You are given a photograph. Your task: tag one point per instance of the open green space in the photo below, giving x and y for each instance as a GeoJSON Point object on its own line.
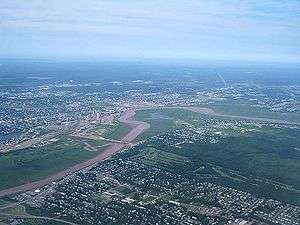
{"type": "Point", "coordinates": [5, 220]}
{"type": "Point", "coordinates": [116, 131]}
{"type": "Point", "coordinates": [31, 164]}
{"type": "Point", "coordinates": [241, 109]}
{"type": "Point", "coordinates": [90, 141]}
{"type": "Point", "coordinates": [263, 162]}
{"type": "Point", "coordinates": [155, 157]}
{"type": "Point", "coordinates": [123, 190]}
{"type": "Point", "coordinates": [15, 210]}
{"type": "Point", "coordinates": [237, 178]}
{"type": "Point", "coordinates": [259, 154]}
{"type": "Point", "coordinates": [267, 152]}
{"type": "Point", "coordinates": [24, 210]}
{"type": "Point", "coordinates": [163, 120]}
{"type": "Point", "coordinates": [4, 202]}
{"type": "Point", "coordinates": [41, 222]}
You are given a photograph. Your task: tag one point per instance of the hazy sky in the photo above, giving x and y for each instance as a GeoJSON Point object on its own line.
{"type": "Point", "coordinates": [196, 29]}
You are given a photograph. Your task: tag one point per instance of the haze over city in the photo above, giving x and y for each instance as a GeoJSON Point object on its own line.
{"type": "Point", "coordinates": [178, 29]}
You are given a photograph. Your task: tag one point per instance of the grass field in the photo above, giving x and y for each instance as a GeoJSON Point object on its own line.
{"type": "Point", "coordinates": [268, 156]}
{"type": "Point", "coordinates": [116, 131]}
{"type": "Point", "coordinates": [22, 210]}
{"type": "Point", "coordinates": [41, 222]}
{"type": "Point", "coordinates": [254, 179]}
{"type": "Point", "coordinates": [4, 202]}
{"type": "Point", "coordinates": [155, 157]}
{"type": "Point", "coordinates": [240, 109]}
{"type": "Point", "coordinates": [260, 163]}
{"type": "Point", "coordinates": [266, 160]}
{"type": "Point", "coordinates": [268, 152]}
{"type": "Point", "coordinates": [15, 210]}
{"type": "Point", "coordinates": [35, 163]}
{"type": "Point", "coordinates": [90, 141]}
{"type": "Point", "coordinates": [165, 120]}
{"type": "Point", "coordinates": [31, 164]}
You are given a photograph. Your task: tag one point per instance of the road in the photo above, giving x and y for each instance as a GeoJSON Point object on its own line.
{"type": "Point", "coordinates": [138, 127]}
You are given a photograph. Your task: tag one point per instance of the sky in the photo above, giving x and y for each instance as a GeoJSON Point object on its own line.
{"type": "Point", "coordinates": [259, 30]}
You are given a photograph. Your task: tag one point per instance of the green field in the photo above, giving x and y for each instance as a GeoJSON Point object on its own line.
{"type": "Point", "coordinates": [168, 119]}
{"type": "Point", "coordinates": [116, 131]}
{"type": "Point", "coordinates": [240, 109]}
{"type": "Point", "coordinates": [260, 154]}
{"type": "Point", "coordinates": [92, 142]}
{"type": "Point", "coordinates": [35, 163]}
{"type": "Point", "coordinates": [155, 157]}
{"type": "Point", "coordinates": [266, 160]}
{"type": "Point", "coordinates": [27, 213]}
{"type": "Point", "coordinates": [267, 152]}
{"type": "Point", "coordinates": [4, 202]}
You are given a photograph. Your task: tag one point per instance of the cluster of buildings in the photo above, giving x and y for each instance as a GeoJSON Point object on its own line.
{"type": "Point", "coordinates": [210, 130]}
{"type": "Point", "coordinates": [34, 110]}
{"type": "Point", "coordinates": [32, 117]}
{"type": "Point", "coordinates": [121, 191]}
{"type": "Point", "coordinates": [126, 191]}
